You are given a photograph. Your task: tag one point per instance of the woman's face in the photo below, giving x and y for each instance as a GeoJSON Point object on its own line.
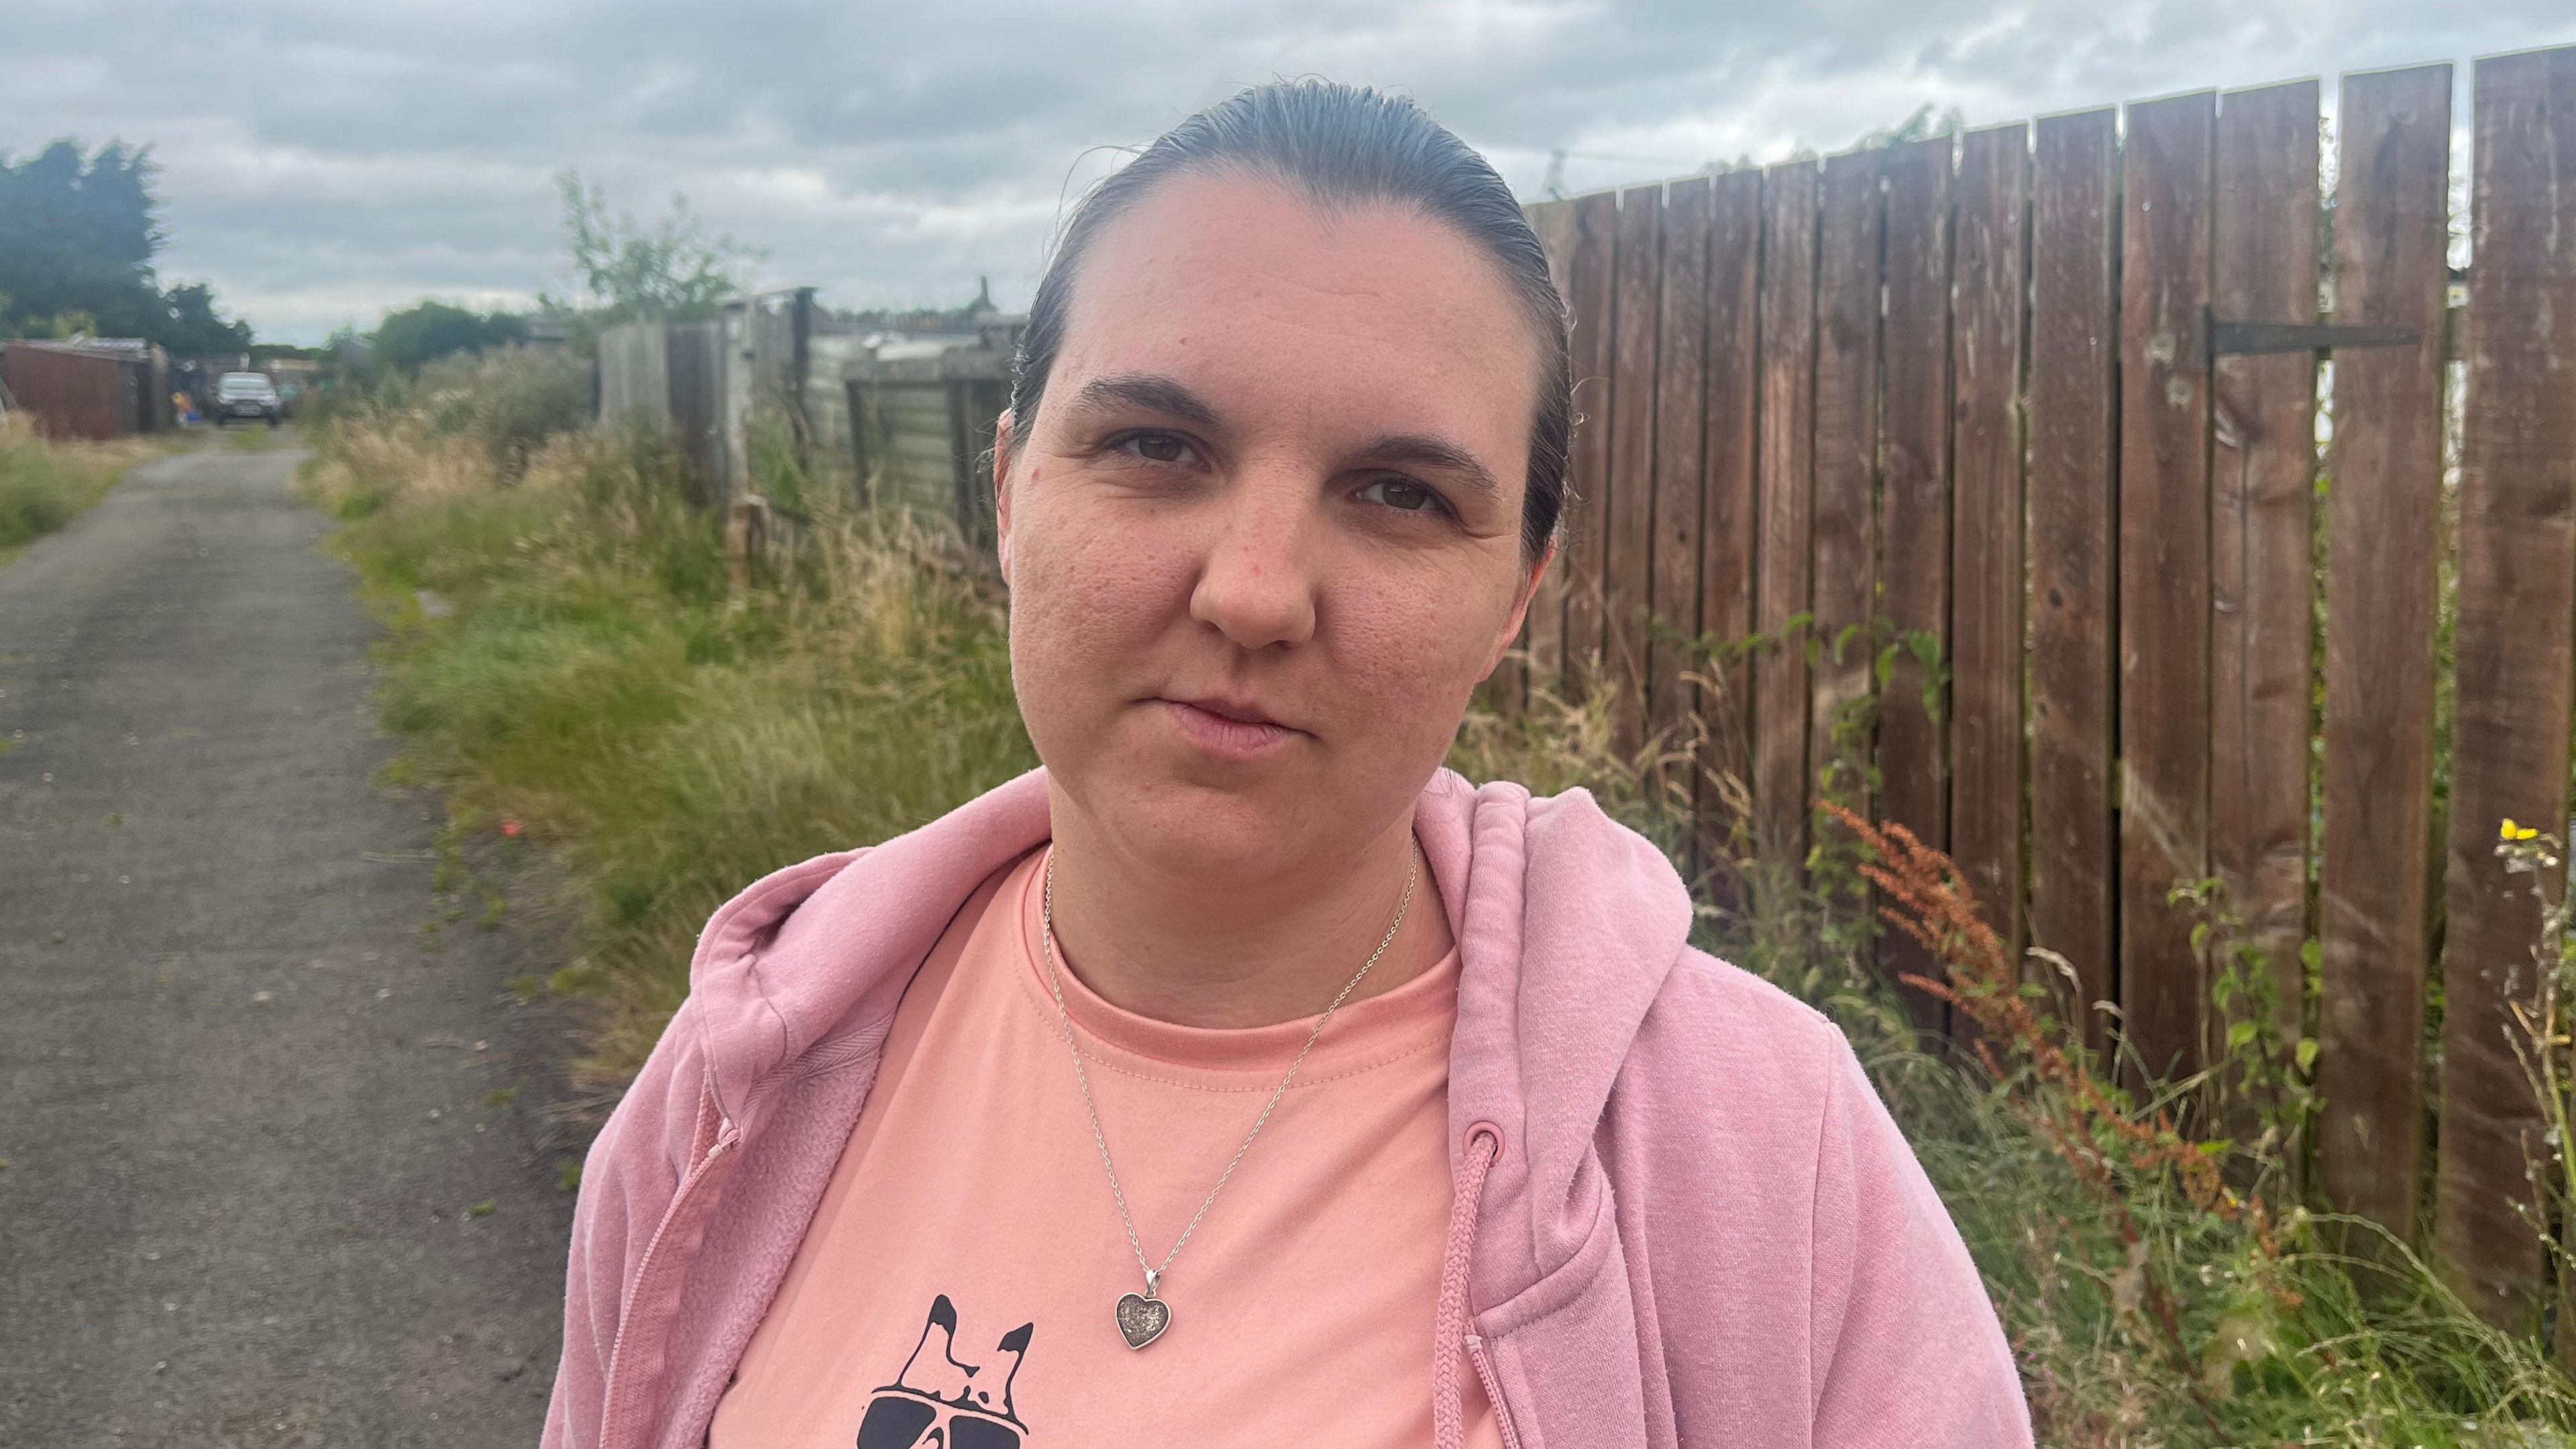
{"type": "Point", "coordinates": [1263, 537]}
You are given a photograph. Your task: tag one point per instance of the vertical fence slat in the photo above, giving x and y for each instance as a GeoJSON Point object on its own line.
{"type": "Point", "coordinates": [1914, 520]}
{"type": "Point", "coordinates": [1728, 521]}
{"type": "Point", "coordinates": [1987, 582]}
{"type": "Point", "coordinates": [2164, 573]}
{"type": "Point", "coordinates": [2074, 513]}
{"type": "Point", "coordinates": [1593, 272]}
{"type": "Point", "coordinates": [2263, 421]}
{"type": "Point", "coordinates": [2392, 202]}
{"type": "Point", "coordinates": [1845, 587]}
{"type": "Point", "coordinates": [2517, 598]}
{"type": "Point", "coordinates": [1627, 585]}
{"type": "Point", "coordinates": [1543, 632]}
{"type": "Point", "coordinates": [1784, 558]}
{"type": "Point", "coordinates": [1682, 353]}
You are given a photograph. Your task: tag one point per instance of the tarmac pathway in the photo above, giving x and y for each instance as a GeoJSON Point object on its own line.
{"type": "Point", "coordinates": [267, 1181]}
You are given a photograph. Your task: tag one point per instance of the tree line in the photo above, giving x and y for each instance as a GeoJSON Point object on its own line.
{"type": "Point", "coordinates": [78, 235]}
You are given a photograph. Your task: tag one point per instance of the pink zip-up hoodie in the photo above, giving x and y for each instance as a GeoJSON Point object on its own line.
{"type": "Point", "coordinates": [1682, 1216]}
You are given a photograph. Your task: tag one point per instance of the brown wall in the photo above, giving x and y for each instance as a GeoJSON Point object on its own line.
{"type": "Point", "coordinates": [74, 394]}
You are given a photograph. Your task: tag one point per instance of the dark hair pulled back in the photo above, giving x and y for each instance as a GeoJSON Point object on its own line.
{"type": "Point", "coordinates": [1337, 145]}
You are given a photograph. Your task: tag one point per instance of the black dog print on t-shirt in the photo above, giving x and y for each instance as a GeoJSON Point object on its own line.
{"type": "Point", "coordinates": [938, 1402]}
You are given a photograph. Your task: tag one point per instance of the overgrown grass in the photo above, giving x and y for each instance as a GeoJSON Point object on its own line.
{"type": "Point", "coordinates": [571, 666]}
{"type": "Point", "coordinates": [565, 656]}
{"type": "Point", "coordinates": [45, 485]}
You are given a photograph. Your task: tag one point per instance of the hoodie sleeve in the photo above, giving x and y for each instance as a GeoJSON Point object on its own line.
{"type": "Point", "coordinates": [627, 1182]}
{"type": "Point", "coordinates": [1907, 1349]}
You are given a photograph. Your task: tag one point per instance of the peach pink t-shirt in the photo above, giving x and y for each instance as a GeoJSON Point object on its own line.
{"type": "Point", "coordinates": [958, 1283]}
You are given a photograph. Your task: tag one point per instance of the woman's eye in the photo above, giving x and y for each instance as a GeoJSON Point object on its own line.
{"type": "Point", "coordinates": [1157, 447]}
{"type": "Point", "coordinates": [1403, 494]}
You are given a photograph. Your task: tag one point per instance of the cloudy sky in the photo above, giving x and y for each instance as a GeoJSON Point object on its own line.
{"type": "Point", "coordinates": [326, 161]}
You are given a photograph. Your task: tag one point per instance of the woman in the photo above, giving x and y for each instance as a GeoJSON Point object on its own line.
{"type": "Point", "coordinates": [1243, 1077]}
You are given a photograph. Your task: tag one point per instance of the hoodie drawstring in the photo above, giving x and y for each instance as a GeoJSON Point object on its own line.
{"type": "Point", "coordinates": [1449, 1322]}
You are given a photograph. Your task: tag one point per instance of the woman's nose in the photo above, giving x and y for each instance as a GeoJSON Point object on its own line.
{"type": "Point", "coordinates": [1253, 587]}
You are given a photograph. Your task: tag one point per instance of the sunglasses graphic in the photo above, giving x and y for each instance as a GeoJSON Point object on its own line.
{"type": "Point", "coordinates": [898, 1420]}
{"type": "Point", "coordinates": [935, 1402]}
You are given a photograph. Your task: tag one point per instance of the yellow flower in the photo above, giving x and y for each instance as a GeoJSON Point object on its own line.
{"type": "Point", "coordinates": [2525, 833]}
{"type": "Point", "coordinates": [2505, 832]}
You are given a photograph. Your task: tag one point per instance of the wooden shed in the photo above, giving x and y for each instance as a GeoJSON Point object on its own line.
{"type": "Point", "coordinates": [88, 389]}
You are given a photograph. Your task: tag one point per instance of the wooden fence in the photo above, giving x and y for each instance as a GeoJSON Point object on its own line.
{"type": "Point", "coordinates": [2044, 399]}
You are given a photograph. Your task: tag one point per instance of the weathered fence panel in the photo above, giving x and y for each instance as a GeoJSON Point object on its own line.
{"type": "Point", "coordinates": [1730, 520]}
{"type": "Point", "coordinates": [1914, 497]}
{"type": "Point", "coordinates": [2164, 573]}
{"type": "Point", "coordinates": [1680, 384]}
{"type": "Point", "coordinates": [1984, 642]}
{"type": "Point", "coordinates": [635, 375]}
{"type": "Point", "coordinates": [696, 355]}
{"type": "Point", "coordinates": [1592, 267]}
{"type": "Point", "coordinates": [2514, 653]}
{"type": "Point", "coordinates": [1784, 556]}
{"type": "Point", "coordinates": [1845, 577]}
{"type": "Point", "coordinates": [670, 377]}
{"type": "Point", "coordinates": [2391, 213]}
{"type": "Point", "coordinates": [1628, 499]}
{"type": "Point", "coordinates": [2263, 426]}
{"type": "Point", "coordinates": [2074, 568]}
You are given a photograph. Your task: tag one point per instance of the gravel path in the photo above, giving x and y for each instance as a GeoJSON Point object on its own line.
{"type": "Point", "coordinates": [267, 1182]}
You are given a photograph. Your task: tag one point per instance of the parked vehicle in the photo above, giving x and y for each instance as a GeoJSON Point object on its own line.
{"type": "Point", "coordinates": [246, 395]}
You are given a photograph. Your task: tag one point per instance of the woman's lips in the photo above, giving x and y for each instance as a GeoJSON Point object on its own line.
{"type": "Point", "coordinates": [1224, 735]}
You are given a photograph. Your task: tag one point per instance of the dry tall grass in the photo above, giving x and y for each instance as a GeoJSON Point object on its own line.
{"type": "Point", "coordinates": [44, 485]}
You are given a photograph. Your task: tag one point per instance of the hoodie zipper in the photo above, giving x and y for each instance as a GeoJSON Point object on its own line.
{"type": "Point", "coordinates": [1493, 1391]}
{"type": "Point", "coordinates": [609, 1419]}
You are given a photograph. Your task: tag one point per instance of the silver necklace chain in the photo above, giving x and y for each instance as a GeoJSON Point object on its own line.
{"type": "Point", "coordinates": [1064, 1017]}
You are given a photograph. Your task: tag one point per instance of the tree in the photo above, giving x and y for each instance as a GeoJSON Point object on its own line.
{"type": "Point", "coordinates": [77, 238]}
{"type": "Point", "coordinates": [430, 330]}
{"type": "Point", "coordinates": [670, 272]}
{"type": "Point", "coordinates": [193, 329]}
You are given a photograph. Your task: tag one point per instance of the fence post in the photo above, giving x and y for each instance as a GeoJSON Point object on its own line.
{"type": "Point", "coordinates": [746, 538]}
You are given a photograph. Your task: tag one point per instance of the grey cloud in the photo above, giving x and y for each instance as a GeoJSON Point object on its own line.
{"type": "Point", "coordinates": [326, 161]}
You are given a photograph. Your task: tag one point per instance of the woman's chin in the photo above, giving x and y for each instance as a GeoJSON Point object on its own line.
{"type": "Point", "coordinates": [1242, 825]}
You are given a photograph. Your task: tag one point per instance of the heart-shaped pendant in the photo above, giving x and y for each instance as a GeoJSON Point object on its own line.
{"type": "Point", "coordinates": [1141, 1320]}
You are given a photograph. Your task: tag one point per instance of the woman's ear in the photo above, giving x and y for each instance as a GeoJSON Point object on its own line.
{"type": "Point", "coordinates": [1002, 494]}
{"type": "Point", "coordinates": [1520, 607]}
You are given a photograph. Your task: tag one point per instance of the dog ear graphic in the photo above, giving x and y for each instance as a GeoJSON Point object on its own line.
{"type": "Point", "coordinates": [1016, 1344]}
{"type": "Point", "coordinates": [942, 1377]}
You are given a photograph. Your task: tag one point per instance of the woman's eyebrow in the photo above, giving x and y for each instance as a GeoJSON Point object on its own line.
{"type": "Point", "coordinates": [1149, 391]}
{"type": "Point", "coordinates": [1422, 450]}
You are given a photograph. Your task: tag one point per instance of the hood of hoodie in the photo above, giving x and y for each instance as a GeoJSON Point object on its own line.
{"type": "Point", "coordinates": [1567, 925]}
